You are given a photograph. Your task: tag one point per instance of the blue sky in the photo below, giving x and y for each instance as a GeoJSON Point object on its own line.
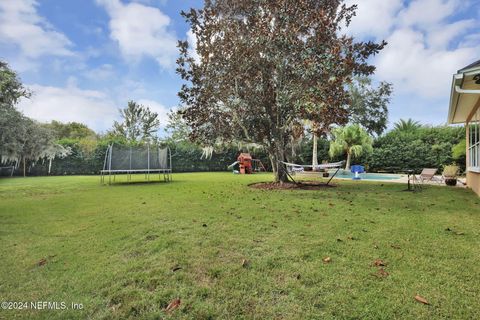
{"type": "Point", "coordinates": [84, 59]}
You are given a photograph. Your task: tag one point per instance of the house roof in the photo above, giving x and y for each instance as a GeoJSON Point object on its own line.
{"type": "Point", "coordinates": [465, 93]}
{"type": "Point", "coordinates": [470, 66]}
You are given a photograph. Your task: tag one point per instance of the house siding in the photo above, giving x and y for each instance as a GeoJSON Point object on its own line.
{"type": "Point", "coordinates": [473, 181]}
{"type": "Point", "coordinates": [473, 178]}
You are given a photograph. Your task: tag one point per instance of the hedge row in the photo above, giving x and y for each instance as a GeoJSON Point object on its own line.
{"type": "Point", "coordinates": [184, 159]}
{"type": "Point", "coordinates": [428, 147]}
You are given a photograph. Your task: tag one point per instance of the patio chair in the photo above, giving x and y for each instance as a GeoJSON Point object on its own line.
{"type": "Point", "coordinates": [427, 175]}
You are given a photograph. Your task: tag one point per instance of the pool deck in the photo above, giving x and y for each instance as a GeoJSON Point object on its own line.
{"type": "Point", "coordinates": [403, 178]}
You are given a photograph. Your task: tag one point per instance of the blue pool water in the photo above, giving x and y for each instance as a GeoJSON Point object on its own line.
{"type": "Point", "coordinates": [366, 176]}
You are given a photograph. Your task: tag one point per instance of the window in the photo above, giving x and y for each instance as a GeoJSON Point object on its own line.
{"type": "Point", "coordinates": [474, 144]}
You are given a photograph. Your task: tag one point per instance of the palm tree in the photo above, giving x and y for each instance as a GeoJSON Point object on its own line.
{"type": "Point", "coordinates": [352, 140]}
{"type": "Point", "coordinates": [314, 128]}
{"type": "Point", "coordinates": [318, 130]}
{"type": "Point", "coordinates": [408, 125]}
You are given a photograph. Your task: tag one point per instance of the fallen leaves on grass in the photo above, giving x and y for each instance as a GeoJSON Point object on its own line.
{"type": "Point", "coordinates": [174, 304]}
{"type": "Point", "coordinates": [379, 263]}
{"type": "Point", "coordinates": [176, 268]}
{"type": "Point", "coordinates": [421, 299]}
{"type": "Point", "coordinates": [42, 262]}
{"type": "Point", "coordinates": [327, 260]}
{"type": "Point", "coordinates": [381, 273]}
{"type": "Point", "coordinates": [458, 233]}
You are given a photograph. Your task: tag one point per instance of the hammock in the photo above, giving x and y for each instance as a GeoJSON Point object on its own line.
{"type": "Point", "coordinates": [299, 167]}
{"type": "Point", "coordinates": [292, 168]}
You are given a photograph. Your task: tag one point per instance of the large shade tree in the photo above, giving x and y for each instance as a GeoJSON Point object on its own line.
{"type": "Point", "coordinates": [266, 65]}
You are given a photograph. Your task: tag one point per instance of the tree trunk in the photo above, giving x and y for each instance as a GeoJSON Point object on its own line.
{"type": "Point", "coordinates": [281, 173]}
{"type": "Point", "coordinates": [24, 168]}
{"type": "Point", "coordinates": [273, 163]}
{"type": "Point", "coordinates": [315, 152]}
{"type": "Point", "coordinates": [349, 159]}
{"type": "Point", "coordinates": [279, 169]}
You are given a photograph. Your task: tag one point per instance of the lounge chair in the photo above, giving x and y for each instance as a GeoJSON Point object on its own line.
{"type": "Point", "coordinates": [428, 174]}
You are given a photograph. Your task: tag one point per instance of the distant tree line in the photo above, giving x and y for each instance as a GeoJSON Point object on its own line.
{"type": "Point", "coordinates": [72, 148]}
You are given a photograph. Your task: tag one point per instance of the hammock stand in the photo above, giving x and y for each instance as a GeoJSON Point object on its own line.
{"type": "Point", "coordinates": [298, 167]}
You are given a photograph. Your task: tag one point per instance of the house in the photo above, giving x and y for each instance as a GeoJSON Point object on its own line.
{"type": "Point", "coordinates": [465, 108]}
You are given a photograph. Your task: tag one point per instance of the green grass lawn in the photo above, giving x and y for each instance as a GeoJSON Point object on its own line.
{"type": "Point", "coordinates": [113, 248]}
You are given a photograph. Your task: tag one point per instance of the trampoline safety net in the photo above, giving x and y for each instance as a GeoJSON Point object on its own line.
{"type": "Point", "coordinates": [130, 160]}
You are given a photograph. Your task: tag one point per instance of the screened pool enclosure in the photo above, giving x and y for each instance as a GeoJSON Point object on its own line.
{"type": "Point", "coordinates": [148, 160]}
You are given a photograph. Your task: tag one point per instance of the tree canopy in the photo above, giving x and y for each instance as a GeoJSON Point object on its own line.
{"type": "Point", "coordinates": [139, 123]}
{"type": "Point", "coordinates": [408, 125]}
{"type": "Point", "coordinates": [369, 105]}
{"type": "Point", "coordinates": [11, 87]}
{"type": "Point", "coordinates": [21, 138]}
{"type": "Point", "coordinates": [70, 130]}
{"type": "Point", "coordinates": [265, 66]}
{"type": "Point", "coordinates": [11, 130]}
{"type": "Point", "coordinates": [352, 140]}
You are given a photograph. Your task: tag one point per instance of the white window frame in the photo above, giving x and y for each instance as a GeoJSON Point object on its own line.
{"type": "Point", "coordinates": [473, 161]}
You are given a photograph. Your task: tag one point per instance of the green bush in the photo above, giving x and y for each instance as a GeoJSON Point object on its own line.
{"type": "Point", "coordinates": [392, 152]}
{"type": "Point", "coordinates": [426, 147]}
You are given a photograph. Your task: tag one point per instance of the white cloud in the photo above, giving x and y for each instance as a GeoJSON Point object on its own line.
{"type": "Point", "coordinates": [470, 40]}
{"type": "Point", "coordinates": [374, 17]}
{"type": "Point", "coordinates": [21, 26]}
{"type": "Point", "coordinates": [95, 108]}
{"type": "Point", "coordinates": [428, 41]}
{"type": "Point", "coordinates": [70, 103]}
{"type": "Point", "coordinates": [192, 43]}
{"type": "Point", "coordinates": [427, 13]}
{"type": "Point", "coordinates": [441, 35]}
{"type": "Point", "coordinates": [425, 44]}
{"type": "Point", "coordinates": [104, 72]}
{"type": "Point", "coordinates": [158, 108]}
{"type": "Point", "coordinates": [141, 31]}
{"type": "Point", "coordinates": [415, 68]}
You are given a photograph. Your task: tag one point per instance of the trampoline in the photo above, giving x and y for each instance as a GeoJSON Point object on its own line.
{"type": "Point", "coordinates": [147, 159]}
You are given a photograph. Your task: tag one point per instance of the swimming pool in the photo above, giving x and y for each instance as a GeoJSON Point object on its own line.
{"type": "Point", "coordinates": [342, 174]}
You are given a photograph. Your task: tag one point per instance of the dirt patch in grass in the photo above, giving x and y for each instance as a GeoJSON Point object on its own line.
{"type": "Point", "coordinates": [304, 185]}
